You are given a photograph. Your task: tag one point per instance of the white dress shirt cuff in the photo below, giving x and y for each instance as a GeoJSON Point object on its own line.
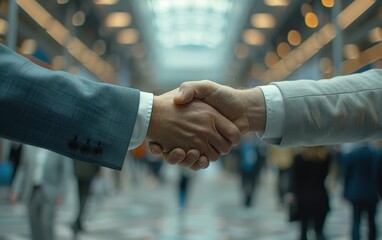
{"type": "Point", "coordinates": [275, 114]}
{"type": "Point", "coordinates": [142, 121]}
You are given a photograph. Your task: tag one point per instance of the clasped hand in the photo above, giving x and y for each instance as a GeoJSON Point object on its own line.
{"type": "Point", "coordinates": [200, 121]}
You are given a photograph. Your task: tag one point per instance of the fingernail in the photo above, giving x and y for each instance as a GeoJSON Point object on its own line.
{"type": "Point", "coordinates": [179, 158]}
{"type": "Point", "coordinates": [179, 94]}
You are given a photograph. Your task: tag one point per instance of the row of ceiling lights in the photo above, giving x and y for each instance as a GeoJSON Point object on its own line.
{"type": "Point", "coordinates": [90, 58]}
{"type": "Point", "coordinates": [283, 61]}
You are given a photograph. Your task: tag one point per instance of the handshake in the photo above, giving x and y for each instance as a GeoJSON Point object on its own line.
{"type": "Point", "coordinates": [201, 120]}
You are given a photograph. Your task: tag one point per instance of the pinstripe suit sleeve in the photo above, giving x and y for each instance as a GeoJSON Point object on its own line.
{"type": "Point", "coordinates": [72, 116]}
{"type": "Point", "coordinates": [342, 109]}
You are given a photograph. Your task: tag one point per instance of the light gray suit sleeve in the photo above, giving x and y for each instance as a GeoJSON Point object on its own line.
{"type": "Point", "coordinates": [342, 109]}
{"type": "Point", "coordinates": [72, 116]}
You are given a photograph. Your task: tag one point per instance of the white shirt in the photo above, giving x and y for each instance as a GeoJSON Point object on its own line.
{"type": "Point", "coordinates": [274, 123]}
{"type": "Point", "coordinates": [41, 157]}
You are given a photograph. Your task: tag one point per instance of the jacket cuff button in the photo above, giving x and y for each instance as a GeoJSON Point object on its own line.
{"type": "Point", "coordinates": [98, 151]}
{"type": "Point", "coordinates": [73, 145]}
{"type": "Point", "coordinates": [85, 149]}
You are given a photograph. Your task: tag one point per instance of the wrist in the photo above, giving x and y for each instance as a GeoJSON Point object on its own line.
{"type": "Point", "coordinates": [154, 119]}
{"type": "Point", "coordinates": [256, 110]}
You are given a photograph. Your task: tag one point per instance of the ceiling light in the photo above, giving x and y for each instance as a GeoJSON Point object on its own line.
{"type": "Point", "coordinates": [294, 38]}
{"type": "Point", "coordinates": [58, 62]}
{"type": "Point", "coordinates": [3, 26]}
{"type": "Point", "coordinates": [263, 20]}
{"type": "Point", "coordinates": [276, 2]}
{"type": "Point", "coordinates": [352, 12]}
{"type": "Point", "coordinates": [375, 35]}
{"type": "Point", "coordinates": [253, 37]}
{"type": "Point", "coordinates": [118, 19]}
{"type": "Point", "coordinates": [99, 47]}
{"type": "Point", "coordinates": [327, 3]}
{"type": "Point", "coordinates": [29, 46]}
{"type": "Point", "coordinates": [271, 59]}
{"type": "Point", "coordinates": [241, 51]}
{"type": "Point", "coordinates": [311, 20]}
{"type": "Point", "coordinates": [105, 2]}
{"type": "Point", "coordinates": [351, 51]}
{"type": "Point", "coordinates": [326, 65]}
{"type": "Point", "coordinates": [128, 36]}
{"type": "Point", "coordinates": [283, 49]}
{"type": "Point", "coordinates": [78, 18]}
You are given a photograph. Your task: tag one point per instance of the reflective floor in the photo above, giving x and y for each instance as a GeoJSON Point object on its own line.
{"type": "Point", "coordinates": [148, 210]}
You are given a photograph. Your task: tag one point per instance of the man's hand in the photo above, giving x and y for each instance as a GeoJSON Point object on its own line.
{"type": "Point", "coordinates": [245, 108]}
{"type": "Point", "coordinates": [194, 125]}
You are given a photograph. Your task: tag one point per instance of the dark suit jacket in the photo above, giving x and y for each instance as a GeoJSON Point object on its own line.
{"type": "Point", "coordinates": [64, 113]}
{"type": "Point", "coordinates": [360, 168]}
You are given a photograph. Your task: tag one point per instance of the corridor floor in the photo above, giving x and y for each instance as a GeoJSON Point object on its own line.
{"type": "Point", "coordinates": [148, 211]}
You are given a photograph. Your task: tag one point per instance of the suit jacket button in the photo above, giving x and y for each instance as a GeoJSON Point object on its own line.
{"type": "Point", "coordinates": [97, 151]}
{"type": "Point", "coordinates": [85, 149]}
{"type": "Point", "coordinates": [73, 145]}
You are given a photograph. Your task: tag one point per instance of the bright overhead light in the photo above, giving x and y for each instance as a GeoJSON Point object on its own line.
{"type": "Point", "coordinates": [271, 59]}
{"type": "Point", "coordinates": [294, 38]}
{"type": "Point", "coordinates": [327, 3]}
{"type": "Point", "coordinates": [263, 20]}
{"type": "Point", "coordinates": [352, 12]}
{"type": "Point", "coordinates": [276, 3]}
{"type": "Point", "coordinates": [105, 2]}
{"type": "Point", "coordinates": [375, 35]}
{"type": "Point", "coordinates": [118, 19]}
{"type": "Point", "coordinates": [253, 37]}
{"type": "Point", "coordinates": [28, 46]}
{"type": "Point", "coordinates": [283, 49]}
{"type": "Point", "coordinates": [311, 20]}
{"type": "Point", "coordinates": [78, 18]}
{"type": "Point", "coordinates": [3, 26]}
{"type": "Point", "coordinates": [351, 51]}
{"type": "Point", "coordinates": [128, 36]}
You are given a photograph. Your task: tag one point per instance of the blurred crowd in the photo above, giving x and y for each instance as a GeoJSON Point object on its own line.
{"type": "Point", "coordinates": [306, 176]}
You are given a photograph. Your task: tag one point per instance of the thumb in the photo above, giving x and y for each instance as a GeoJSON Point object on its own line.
{"type": "Point", "coordinates": [192, 90]}
{"type": "Point", "coordinates": [184, 94]}
{"type": "Point", "coordinates": [155, 148]}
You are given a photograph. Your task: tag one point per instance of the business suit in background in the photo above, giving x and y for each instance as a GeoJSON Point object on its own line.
{"type": "Point", "coordinates": [69, 115]}
{"type": "Point", "coordinates": [42, 178]}
{"type": "Point", "coordinates": [84, 173]}
{"type": "Point", "coordinates": [360, 168]}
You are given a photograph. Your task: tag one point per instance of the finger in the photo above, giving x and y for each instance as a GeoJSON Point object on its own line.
{"type": "Point", "coordinates": [190, 90]}
{"type": "Point", "coordinates": [202, 163]}
{"type": "Point", "coordinates": [174, 156]}
{"type": "Point", "coordinates": [155, 148]}
{"type": "Point", "coordinates": [211, 152]}
{"type": "Point", "coordinates": [192, 156]}
{"type": "Point", "coordinates": [242, 124]}
{"type": "Point", "coordinates": [228, 130]}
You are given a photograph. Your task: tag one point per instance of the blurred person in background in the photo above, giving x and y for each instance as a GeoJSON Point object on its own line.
{"type": "Point", "coordinates": [184, 182]}
{"type": "Point", "coordinates": [42, 179]}
{"type": "Point", "coordinates": [282, 159]}
{"type": "Point", "coordinates": [14, 156]}
{"type": "Point", "coordinates": [309, 171]}
{"type": "Point", "coordinates": [359, 168]}
{"type": "Point", "coordinates": [251, 162]}
{"type": "Point", "coordinates": [85, 173]}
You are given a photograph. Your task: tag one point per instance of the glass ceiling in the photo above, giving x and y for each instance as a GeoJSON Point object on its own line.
{"type": "Point", "coordinates": [190, 22]}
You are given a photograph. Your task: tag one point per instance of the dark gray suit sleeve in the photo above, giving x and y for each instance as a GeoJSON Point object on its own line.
{"type": "Point", "coordinates": [343, 109]}
{"type": "Point", "coordinates": [72, 116]}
